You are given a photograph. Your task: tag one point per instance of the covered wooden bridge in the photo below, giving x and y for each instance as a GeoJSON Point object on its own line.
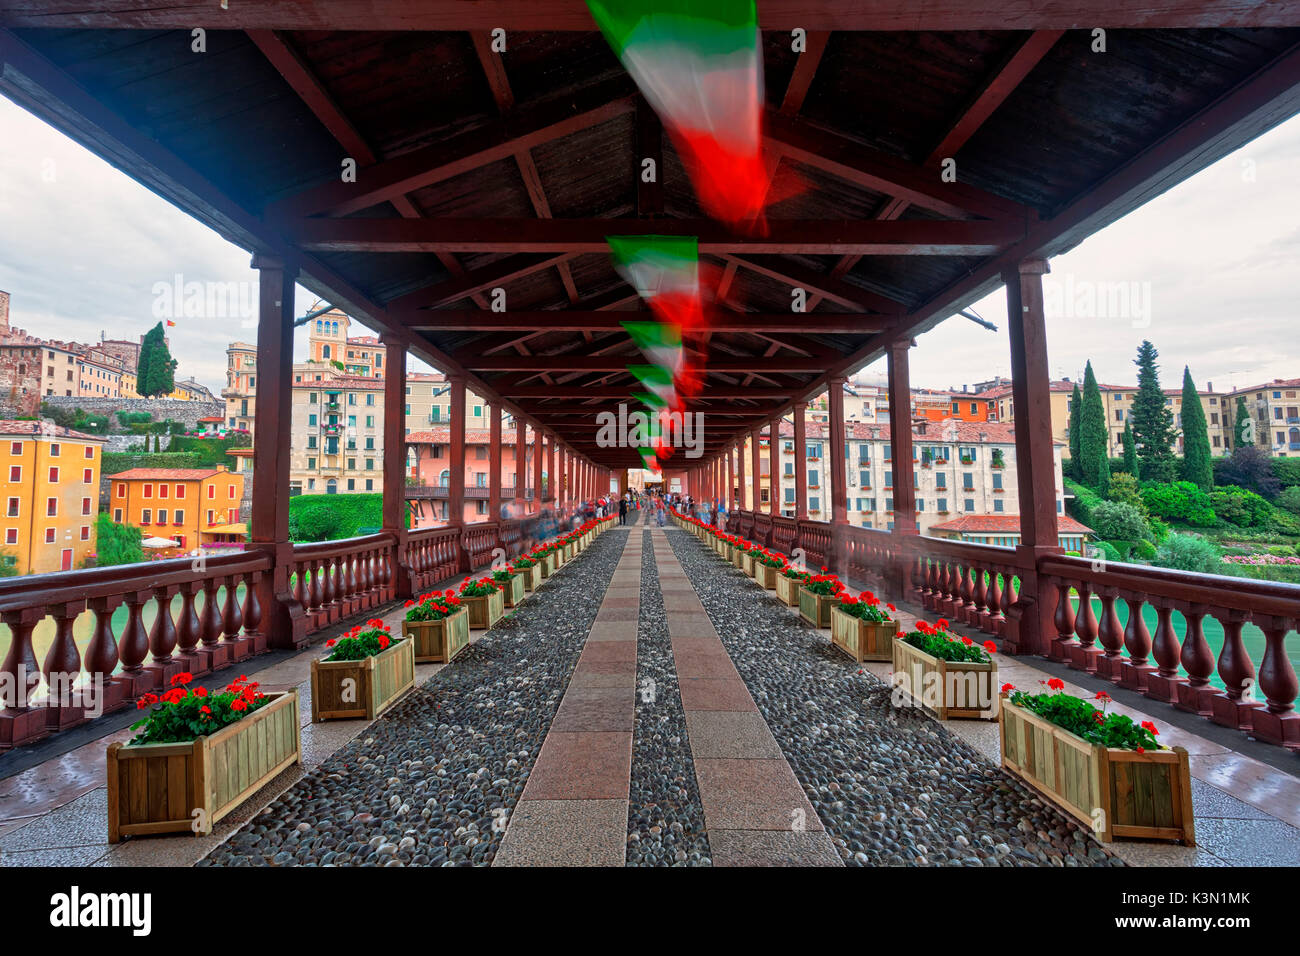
{"type": "Point", "coordinates": [485, 176]}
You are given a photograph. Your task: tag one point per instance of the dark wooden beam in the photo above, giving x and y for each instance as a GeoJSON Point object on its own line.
{"type": "Point", "coordinates": [805, 68]}
{"type": "Point", "coordinates": [498, 273]}
{"type": "Point", "coordinates": [575, 320]}
{"type": "Point", "coordinates": [622, 391]}
{"type": "Point", "coordinates": [489, 143]}
{"type": "Point", "coordinates": [552, 15]}
{"type": "Point", "coordinates": [828, 286]}
{"type": "Point", "coordinates": [785, 236]}
{"type": "Point", "coordinates": [614, 363]}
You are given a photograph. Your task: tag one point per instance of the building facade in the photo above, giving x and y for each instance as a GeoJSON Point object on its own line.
{"type": "Point", "coordinates": [51, 496]}
{"type": "Point", "coordinates": [1275, 409]}
{"type": "Point", "coordinates": [192, 506]}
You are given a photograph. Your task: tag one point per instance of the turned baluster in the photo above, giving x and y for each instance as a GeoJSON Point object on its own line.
{"type": "Point", "coordinates": [994, 598]}
{"type": "Point", "coordinates": [232, 618]}
{"type": "Point", "coordinates": [1110, 632]}
{"type": "Point", "coordinates": [317, 592]}
{"type": "Point", "coordinates": [20, 675]}
{"type": "Point", "coordinates": [1197, 661]}
{"type": "Point", "coordinates": [133, 646]}
{"type": "Point", "coordinates": [1277, 678]}
{"type": "Point", "coordinates": [1137, 640]}
{"type": "Point", "coordinates": [1064, 620]}
{"type": "Point", "coordinates": [162, 636]}
{"type": "Point", "coordinates": [1085, 619]}
{"type": "Point", "coordinates": [101, 654]}
{"type": "Point", "coordinates": [1166, 648]}
{"type": "Point", "coordinates": [63, 660]}
{"type": "Point", "coordinates": [252, 607]}
{"type": "Point", "coordinates": [979, 595]}
{"type": "Point", "coordinates": [1236, 669]}
{"type": "Point", "coordinates": [189, 631]}
{"type": "Point", "coordinates": [1009, 596]}
{"type": "Point", "coordinates": [966, 582]}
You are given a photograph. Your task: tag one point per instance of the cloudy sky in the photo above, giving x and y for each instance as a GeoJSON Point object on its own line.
{"type": "Point", "coordinates": [1210, 271]}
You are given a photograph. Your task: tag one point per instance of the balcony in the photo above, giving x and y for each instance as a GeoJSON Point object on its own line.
{"type": "Point", "coordinates": [332, 431]}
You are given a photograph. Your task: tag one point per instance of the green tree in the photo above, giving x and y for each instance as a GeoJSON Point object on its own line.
{"type": "Point", "coordinates": [155, 372]}
{"type": "Point", "coordinates": [1119, 521]}
{"type": "Point", "coordinates": [1076, 403]}
{"type": "Point", "coordinates": [1250, 467]}
{"type": "Point", "coordinates": [1243, 430]}
{"type": "Point", "coordinates": [1153, 423]}
{"type": "Point", "coordinates": [116, 543]}
{"type": "Point", "coordinates": [1094, 457]}
{"type": "Point", "coordinates": [1186, 552]}
{"type": "Point", "coordinates": [1124, 488]}
{"type": "Point", "coordinates": [1130, 450]}
{"type": "Point", "coordinates": [1197, 466]}
{"type": "Point", "coordinates": [1290, 499]}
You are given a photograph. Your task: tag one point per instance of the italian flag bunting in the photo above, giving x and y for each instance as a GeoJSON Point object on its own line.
{"type": "Point", "coordinates": [699, 65]}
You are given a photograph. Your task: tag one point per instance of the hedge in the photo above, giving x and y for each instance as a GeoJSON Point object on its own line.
{"type": "Point", "coordinates": [115, 461]}
{"type": "Point", "coordinates": [330, 517]}
{"type": "Point", "coordinates": [1085, 499]}
{"type": "Point", "coordinates": [210, 451]}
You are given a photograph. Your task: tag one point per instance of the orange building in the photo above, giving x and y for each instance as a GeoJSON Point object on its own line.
{"type": "Point", "coordinates": [192, 506]}
{"type": "Point", "coordinates": [51, 496]}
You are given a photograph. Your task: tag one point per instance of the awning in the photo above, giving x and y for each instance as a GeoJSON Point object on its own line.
{"type": "Point", "coordinates": [241, 529]}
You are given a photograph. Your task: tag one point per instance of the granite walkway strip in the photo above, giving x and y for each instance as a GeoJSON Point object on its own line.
{"type": "Point", "coordinates": [756, 812]}
{"type": "Point", "coordinates": [574, 808]}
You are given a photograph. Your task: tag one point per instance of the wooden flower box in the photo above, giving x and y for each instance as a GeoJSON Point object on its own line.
{"type": "Point", "coordinates": [342, 690]}
{"type": "Point", "coordinates": [951, 689]}
{"type": "Point", "coordinates": [747, 563]}
{"type": "Point", "coordinates": [765, 575]}
{"type": "Point", "coordinates": [862, 640]}
{"type": "Point", "coordinates": [515, 590]}
{"type": "Point", "coordinates": [438, 642]}
{"type": "Point", "coordinates": [547, 564]}
{"type": "Point", "coordinates": [1113, 792]}
{"type": "Point", "coordinates": [787, 589]}
{"type": "Point", "coordinates": [532, 576]}
{"type": "Point", "coordinates": [188, 787]}
{"type": "Point", "coordinates": [568, 552]}
{"type": "Point", "coordinates": [816, 608]}
{"type": "Point", "coordinates": [738, 557]}
{"type": "Point", "coordinates": [485, 610]}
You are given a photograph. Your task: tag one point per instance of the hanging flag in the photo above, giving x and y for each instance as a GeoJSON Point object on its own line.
{"type": "Point", "coordinates": [170, 323]}
{"type": "Point", "coordinates": [699, 65]}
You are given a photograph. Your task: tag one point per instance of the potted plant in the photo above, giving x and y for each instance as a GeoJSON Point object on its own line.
{"type": "Point", "coordinates": [952, 676]}
{"type": "Point", "coordinates": [862, 627]}
{"type": "Point", "coordinates": [438, 626]}
{"type": "Point", "coordinates": [816, 595]}
{"type": "Point", "coordinates": [998, 461]}
{"type": "Point", "coordinates": [788, 582]}
{"type": "Point", "coordinates": [1102, 769]}
{"type": "Point", "coordinates": [366, 672]}
{"type": "Point", "coordinates": [766, 567]}
{"type": "Point", "coordinates": [747, 553]}
{"type": "Point", "coordinates": [485, 601]}
{"type": "Point", "coordinates": [511, 583]}
{"type": "Point", "coordinates": [197, 756]}
{"type": "Point", "coordinates": [739, 547]}
{"type": "Point", "coordinates": [531, 568]}
{"type": "Point", "coordinates": [545, 557]}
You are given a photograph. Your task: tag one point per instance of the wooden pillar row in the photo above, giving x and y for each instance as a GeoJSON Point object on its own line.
{"type": "Point", "coordinates": [394, 520]}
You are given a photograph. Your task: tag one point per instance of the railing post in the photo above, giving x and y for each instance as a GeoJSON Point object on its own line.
{"type": "Point", "coordinates": [456, 486]}
{"type": "Point", "coordinates": [394, 521]}
{"type": "Point", "coordinates": [1035, 455]}
{"type": "Point", "coordinates": [800, 461]}
{"type": "Point", "coordinates": [538, 454]}
{"type": "Point", "coordinates": [284, 620]}
{"type": "Point", "coordinates": [901, 469]}
{"type": "Point", "coordinates": [838, 558]}
{"type": "Point", "coordinates": [774, 466]}
{"type": "Point", "coordinates": [521, 467]}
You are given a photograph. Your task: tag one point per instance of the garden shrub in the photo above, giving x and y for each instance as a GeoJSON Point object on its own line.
{"type": "Point", "coordinates": [1187, 552]}
{"type": "Point", "coordinates": [1179, 501]}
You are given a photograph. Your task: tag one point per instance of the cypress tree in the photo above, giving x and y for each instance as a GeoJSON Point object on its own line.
{"type": "Point", "coordinates": [1197, 466]}
{"type": "Point", "coordinates": [1153, 423]}
{"type": "Point", "coordinates": [1130, 450]}
{"type": "Point", "coordinates": [1243, 431]}
{"type": "Point", "coordinates": [1076, 400]}
{"type": "Point", "coordinates": [155, 372]}
{"type": "Point", "coordinates": [1094, 455]}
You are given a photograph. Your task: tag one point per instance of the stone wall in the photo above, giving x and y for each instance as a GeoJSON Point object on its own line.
{"type": "Point", "coordinates": [188, 413]}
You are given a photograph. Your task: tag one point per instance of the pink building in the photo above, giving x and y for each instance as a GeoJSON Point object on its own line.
{"type": "Point", "coordinates": [430, 457]}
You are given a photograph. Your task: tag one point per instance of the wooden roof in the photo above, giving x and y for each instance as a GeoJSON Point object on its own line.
{"type": "Point", "coordinates": [481, 171]}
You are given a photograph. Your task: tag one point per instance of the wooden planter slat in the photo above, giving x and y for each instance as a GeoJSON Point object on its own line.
{"type": "Point", "coordinates": [188, 787]}
{"type": "Point", "coordinates": [378, 682]}
{"type": "Point", "coordinates": [861, 640]}
{"type": "Point", "coordinates": [1143, 795]}
{"type": "Point", "coordinates": [915, 668]}
{"type": "Point", "coordinates": [747, 564]}
{"type": "Point", "coordinates": [816, 608]}
{"type": "Point", "coordinates": [547, 565]}
{"type": "Point", "coordinates": [438, 642]}
{"type": "Point", "coordinates": [514, 590]}
{"type": "Point", "coordinates": [738, 557]}
{"type": "Point", "coordinates": [532, 577]}
{"type": "Point", "coordinates": [485, 610]}
{"type": "Point", "coordinates": [787, 589]}
{"type": "Point", "coordinates": [765, 575]}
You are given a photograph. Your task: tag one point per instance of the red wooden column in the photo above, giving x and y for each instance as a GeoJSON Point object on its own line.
{"type": "Point", "coordinates": [740, 475]}
{"type": "Point", "coordinates": [901, 466]}
{"type": "Point", "coordinates": [731, 477]}
{"type": "Point", "coordinates": [521, 467]}
{"type": "Point", "coordinates": [552, 471]}
{"type": "Point", "coordinates": [539, 457]}
{"type": "Point", "coordinates": [755, 468]}
{"type": "Point", "coordinates": [837, 477]}
{"type": "Point", "coordinates": [774, 466]}
{"type": "Point", "coordinates": [494, 464]}
{"type": "Point", "coordinates": [283, 619]}
{"type": "Point", "coordinates": [1030, 626]}
{"type": "Point", "coordinates": [800, 462]}
{"type": "Point", "coordinates": [456, 486]}
{"type": "Point", "coordinates": [395, 462]}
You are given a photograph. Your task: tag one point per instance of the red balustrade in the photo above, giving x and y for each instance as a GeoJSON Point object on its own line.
{"type": "Point", "coordinates": [332, 580]}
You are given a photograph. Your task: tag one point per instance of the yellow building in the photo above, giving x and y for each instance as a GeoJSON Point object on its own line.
{"type": "Point", "coordinates": [191, 506]}
{"type": "Point", "coordinates": [51, 495]}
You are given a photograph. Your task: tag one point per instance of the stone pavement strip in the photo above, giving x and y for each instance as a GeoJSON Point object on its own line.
{"type": "Point", "coordinates": [573, 811]}
{"type": "Point", "coordinates": [756, 812]}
